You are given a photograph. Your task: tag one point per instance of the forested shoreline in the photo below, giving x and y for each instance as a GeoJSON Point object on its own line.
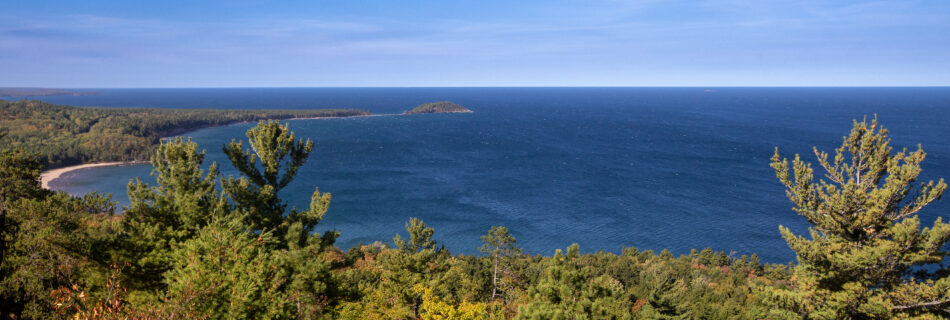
{"type": "Point", "coordinates": [66, 135]}
{"type": "Point", "coordinates": [198, 245]}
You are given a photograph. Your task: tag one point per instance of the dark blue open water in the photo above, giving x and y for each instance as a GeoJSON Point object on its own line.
{"type": "Point", "coordinates": [655, 168]}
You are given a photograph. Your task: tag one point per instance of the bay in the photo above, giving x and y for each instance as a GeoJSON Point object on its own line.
{"type": "Point", "coordinates": [654, 168]}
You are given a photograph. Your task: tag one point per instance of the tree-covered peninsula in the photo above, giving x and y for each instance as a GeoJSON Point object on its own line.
{"type": "Point", "coordinates": [65, 135]}
{"type": "Point", "coordinates": [41, 92]}
{"type": "Point", "coordinates": [438, 107]}
{"type": "Point", "coordinates": [197, 245]}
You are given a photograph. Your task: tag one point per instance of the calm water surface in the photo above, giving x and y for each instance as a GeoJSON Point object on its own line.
{"type": "Point", "coordinates": [654, 168]}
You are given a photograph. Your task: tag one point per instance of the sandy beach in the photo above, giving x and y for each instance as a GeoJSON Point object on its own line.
{"type": "Point", "coordinates": [54, 174]}
{"type": "Point", "coordinates": [47, 176]}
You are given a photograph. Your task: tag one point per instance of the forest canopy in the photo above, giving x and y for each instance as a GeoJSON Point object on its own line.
{"type": "Point", "coordinates": [65, 135]}
{"type": "Point", "coordinates": [197, 245]}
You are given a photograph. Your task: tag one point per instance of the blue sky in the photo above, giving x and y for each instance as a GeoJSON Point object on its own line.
{"type": "Point", "coordinates": [250, 43]}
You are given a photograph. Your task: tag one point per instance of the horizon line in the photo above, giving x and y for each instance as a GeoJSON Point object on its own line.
{"type": "Point", "coordinates": [462, 87]}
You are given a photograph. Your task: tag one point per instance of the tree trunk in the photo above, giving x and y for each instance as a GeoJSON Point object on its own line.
{"type": "Point", "coordinates": [494, 279]}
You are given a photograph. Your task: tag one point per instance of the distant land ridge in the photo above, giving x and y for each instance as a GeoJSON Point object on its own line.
{"type": "Point", "coordinates": [41, 92]}
{"type": "Point", "coordinates": [65, 135]}
{"type": "Point", "coordinates": [438, 107]}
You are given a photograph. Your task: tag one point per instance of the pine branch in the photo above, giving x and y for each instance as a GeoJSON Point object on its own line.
{"type": "Point", "coordinates": [938, 304]}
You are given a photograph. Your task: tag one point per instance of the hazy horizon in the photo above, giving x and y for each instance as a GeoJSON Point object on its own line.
{"type": "Point", "coordinates": [462, 87]}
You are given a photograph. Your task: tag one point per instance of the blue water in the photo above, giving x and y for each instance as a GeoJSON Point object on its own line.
{"type": "Point", "coordinates": [655, 168]}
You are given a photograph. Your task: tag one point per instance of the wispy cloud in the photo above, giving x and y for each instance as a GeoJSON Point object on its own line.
{"type": "Point", "coordinates": [610, 39]}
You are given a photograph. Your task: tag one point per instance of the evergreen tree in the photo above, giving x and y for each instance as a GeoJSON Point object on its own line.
{"type": "Point", "coordinates": [417, 260]}
{"type": "Point", "coordinates": [160, 217]}
{"type": "Point", "coordinates": [420, 238]}
{"type": "Point", "coordinates": [568, 290]}
{"type": "Point", "coordinates": [238, 259]}
{"type": "Point", "coordinates": [54, 243]}
{"type": "Point", "coordinates": [418, 254]}
{"type": "Point", "coordinates": [863, 256]}
{"type": "Point", "coordinates": [19, 179]}
{"type": "Point", "coordinates": [20, 175]}
{"type": "Point", "coordinates": [48, 241]}
{"type": "Point", "coordinates": [226, 272]}
{"type": "Point", "coordinates": [269, 166]}
{"type": "Point", "coordinates": [499, 245]}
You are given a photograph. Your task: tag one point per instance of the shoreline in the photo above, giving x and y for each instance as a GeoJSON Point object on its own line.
{"type": "Point", "coordinates": [49, 175]}
{"type": "Point", "coordinates": [46, 177]}
{"type": "Point", "coordinates": [179, 131]}
{"type": "Point", "coordinates": [343, 117]}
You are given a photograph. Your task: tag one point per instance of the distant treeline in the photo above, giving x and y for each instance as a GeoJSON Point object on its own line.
{"type": "Point", "coordinates": [36, 92]}
{"type": "Point", "coordinates": [64, 135]}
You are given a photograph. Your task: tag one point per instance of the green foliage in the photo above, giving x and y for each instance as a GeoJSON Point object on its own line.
{"type": "Point", "coordinates": [420, 238]}
{"type": "Point", "coordinates": [199, 246]}
{"type": "Point", "coordinates": [54, 242]}
{"type": "Point", "coordinates": [270, 164]}
{"type": "Point", "coordinates": [866, 240]}
{"type": "Point", "coordinates": [160, 217]}
{"type": "Point", "coordinates": [49, 240]}
{"type": "Point", "coordinates": [565, 286]}
{"type": "Point", "coordinates": [64, 135]}
{"type": "Point", "coordinates": [19, 175]}
{"type": "Point", "coordinates": [500, 246]}
{"type": "Point", "coordinates": [567, 290]}
{"type": "Point", "coordinates": [227, 272]}
{"type": "Point", "coordinates": [417, 260]}
{"type": "Point", "coordinates": [19, 179]}
{"type": "Point", "coordinates": [274, 146]}
{"type": "Point", "coordinates": [234, 255]}
{"type": "Point", "coordinates": [391, 282]}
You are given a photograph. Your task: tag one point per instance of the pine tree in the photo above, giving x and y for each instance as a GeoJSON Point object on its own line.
{"type": "Point", "coordinates": [417, 260]}
{"type": "Point", "coordinates": [266, 263]}
{"type": "Point", "coordinates": [499, 245]}
{"type": "Point", "coordinates": [162, 216]}
{"type": "Point", "coordinates": [420, 238]}
{"type": "Point", "coordinates": [19, 179]}
{"type": "Point", "coordinates": [20, 175]}
{"type": "Point", "coordinates": [420, 254]}
{"type": "Point", "coordinates": [866, 246]}
{"type": "Point", "coordinates": [226, 272]}
{"type": "Point", "coordinates": [48, 241]}
{"type": "Point", "coordinates": [269, 166]}
{"type": "Point", "coordinates": [569, 290]}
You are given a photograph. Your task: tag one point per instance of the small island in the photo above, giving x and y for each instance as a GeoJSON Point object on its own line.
{"type": "Point", "coordinates": [438, 107]}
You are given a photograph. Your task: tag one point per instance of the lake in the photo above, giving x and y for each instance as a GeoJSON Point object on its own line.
{"type": "Point", "coordinates": [654, 168]}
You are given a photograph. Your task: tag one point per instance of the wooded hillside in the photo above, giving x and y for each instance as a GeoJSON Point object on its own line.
{"type": "Point", "coordinates": [64, 135]}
